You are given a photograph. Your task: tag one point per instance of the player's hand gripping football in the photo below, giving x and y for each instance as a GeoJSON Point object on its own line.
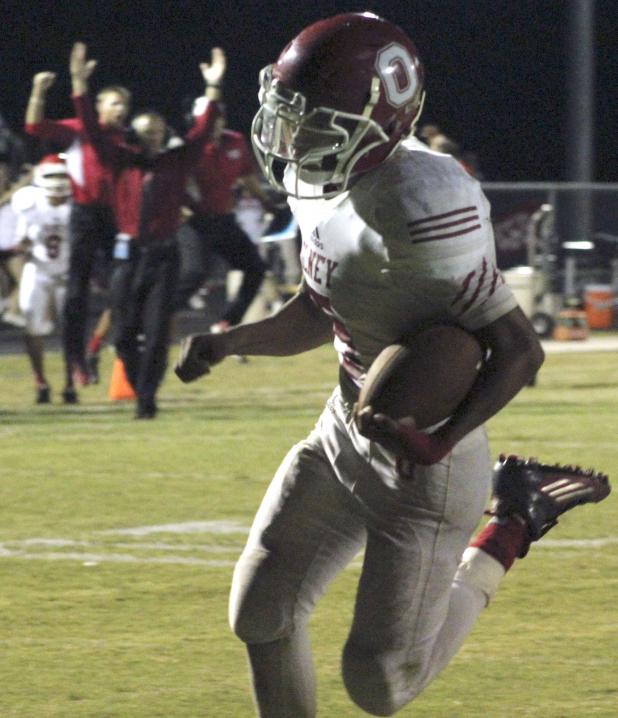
{"type": "Point", "coordinates": [403, 438]}
{"type": "Point", "coordinates": [198, 352]}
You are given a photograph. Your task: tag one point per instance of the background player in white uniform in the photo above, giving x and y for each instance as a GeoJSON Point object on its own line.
{"type": "Point", "coordinates": [395, 238]}
{"type": "Point", "coordinates": [42, 233]}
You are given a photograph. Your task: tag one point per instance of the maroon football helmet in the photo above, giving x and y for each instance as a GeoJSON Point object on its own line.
{"type": "Point", "coordinates": [338, 100]}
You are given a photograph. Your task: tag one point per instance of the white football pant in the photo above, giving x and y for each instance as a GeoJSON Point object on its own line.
{"type": "Point", "coordinates": [335, 494]}
{"type": "Point", "coordinates": [41, 299]}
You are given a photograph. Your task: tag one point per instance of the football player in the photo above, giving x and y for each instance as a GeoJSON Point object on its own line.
{"type": "Point", "coordinates": [395, 238]}
{"type": "Point", "coordinates": [42, 235]}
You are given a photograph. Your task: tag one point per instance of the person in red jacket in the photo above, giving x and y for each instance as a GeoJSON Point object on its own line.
{"type": "Point", "coordinates": [146, 196]}
{"type": "Point", "coordinates": [226, 161]}
{"type": "Point", "coordinates": [91, 225]}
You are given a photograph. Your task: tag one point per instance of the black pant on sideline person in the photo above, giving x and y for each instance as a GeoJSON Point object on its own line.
{"type": "Point", "coordinates": [219, 234]}
{"type": "Point", "coordinates": [91, 229]}
{"type": "Point", "coordinates": [142, 290]}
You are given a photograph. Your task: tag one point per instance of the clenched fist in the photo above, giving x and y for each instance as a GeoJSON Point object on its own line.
{"type": "Point", "coordinates": [198, 352]}
{"type": "Point", "coordinates": [42, 81]}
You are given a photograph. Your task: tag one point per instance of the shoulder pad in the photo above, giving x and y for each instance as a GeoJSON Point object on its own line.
{"type": "Point", "coordinates": [24, 198]}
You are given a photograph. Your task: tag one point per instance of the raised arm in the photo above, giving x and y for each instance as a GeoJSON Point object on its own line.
{"type": "Point", "coordinates": [35, 111]}
{"type": "Point", "coordinates": [61, 131]}
{"type": "Point", "coordinates": [81, 69]}
{"type": "Point", "coordinates": [213, 73]}
{"type": "Point", "coordinates": [297, 327]}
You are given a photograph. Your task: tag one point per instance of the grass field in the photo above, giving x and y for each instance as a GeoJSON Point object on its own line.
{"type": "Point", "coordinates": [118, 538]}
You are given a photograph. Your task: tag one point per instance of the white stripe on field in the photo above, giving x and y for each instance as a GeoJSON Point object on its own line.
{"type": "Point", "coordinates": [577, 543]}
{"type": "Point", "coordinates": [22, 549]}
{"type": "Point", "coordinates": [156, 546]}
{"type": "Point", "coordinates": [189, 527]}
{"type": "Point", "coordinates": [94, 558]}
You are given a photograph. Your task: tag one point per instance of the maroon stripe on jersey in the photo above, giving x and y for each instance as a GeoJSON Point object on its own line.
{"type": "Point", "coordinates": [320, 301]}
{"type": "Point", "coordinates": [494, 282]}
{"type": "Point", "coordinates": [441, 216]}
{"type": "Point", "coordinates": [354, 369]}
{"type": "Point", "coordinates": [464, 287]}
{"type": "Point", "coordinates": [340, 331]}
{"type": "Point", "coordinates": [477, 291]}
{"type": "Point", "coordinates": [444, 225]}
{"type": "Point", "coordinates": [448, 235]}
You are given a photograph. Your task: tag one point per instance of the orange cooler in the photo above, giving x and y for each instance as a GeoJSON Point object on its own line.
{"type": "Point", "coordinates": [599, 304]}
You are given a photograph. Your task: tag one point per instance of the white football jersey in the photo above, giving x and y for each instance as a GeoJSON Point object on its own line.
{"type": "Point", "coordinates": [46, 226]}
{"type": "Point", "coordinates": [410, 244]}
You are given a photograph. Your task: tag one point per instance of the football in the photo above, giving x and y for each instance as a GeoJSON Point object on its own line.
{"type": "Point", "coordinates": [426, 377]}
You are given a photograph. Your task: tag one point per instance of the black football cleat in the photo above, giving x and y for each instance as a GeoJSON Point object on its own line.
{"type": "Point", "coordinates": [146, 409]}
{"type": "Point", "coordinates": [540, 493]}
{"type": "Point", "coordinates": [69, 396]}
{"type": "Point", "coordinates": [43, 395]}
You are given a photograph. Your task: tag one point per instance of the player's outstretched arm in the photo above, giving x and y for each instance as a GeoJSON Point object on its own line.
{"type": "Point", "coordinates": [297, 327]}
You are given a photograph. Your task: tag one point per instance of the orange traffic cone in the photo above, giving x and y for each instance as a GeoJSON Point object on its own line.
{"type": "Point", "coordinates": [119, 387]}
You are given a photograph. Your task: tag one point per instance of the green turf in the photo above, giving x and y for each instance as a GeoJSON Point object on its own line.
{"type": "Point", "coordinates": [97, 623]}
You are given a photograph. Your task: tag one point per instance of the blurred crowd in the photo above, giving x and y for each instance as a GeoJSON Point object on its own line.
{"type": "Point", "coordinates": [154, 219]}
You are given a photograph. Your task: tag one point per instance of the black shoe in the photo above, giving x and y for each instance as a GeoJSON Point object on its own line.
{"type": "Point", "coordinates": [69, 396]}
{"type": "Point", "coordinates": [42, 395]}
{"type": "Point", "coordinates": [539, 493]}
{"type": "Point", "coordinates": [146, 410]}
{"type": "Point", "coordinates": [92, 363]}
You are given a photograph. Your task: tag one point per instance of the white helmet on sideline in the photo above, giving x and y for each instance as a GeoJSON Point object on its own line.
{"type": "Point", "coordinates": [51, 175]}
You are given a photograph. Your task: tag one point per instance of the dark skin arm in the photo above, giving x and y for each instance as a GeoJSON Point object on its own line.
{"type": "Point", "coordinates": [297, 327]}
{"type": "Point", "coordinates": [515, 357]}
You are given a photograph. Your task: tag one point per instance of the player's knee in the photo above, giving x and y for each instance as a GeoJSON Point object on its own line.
{"type": "Point", "coordinates": [376, 681]}
{"type": "Point", "coordinates": [258, 620]}
{"type": "Point", "coordinates": [257, 614]}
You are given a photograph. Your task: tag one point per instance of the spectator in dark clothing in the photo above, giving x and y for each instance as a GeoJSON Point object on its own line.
{"type": "Point", "coordinates": [91, 224]}
{"type": "Point", "coordinates": [225, 161]}
{"type": "Point", "coordinates": [146, 197]}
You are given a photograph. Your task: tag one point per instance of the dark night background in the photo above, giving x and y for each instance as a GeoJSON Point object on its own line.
{"type": "Point", "coordinates": [495, 68]}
